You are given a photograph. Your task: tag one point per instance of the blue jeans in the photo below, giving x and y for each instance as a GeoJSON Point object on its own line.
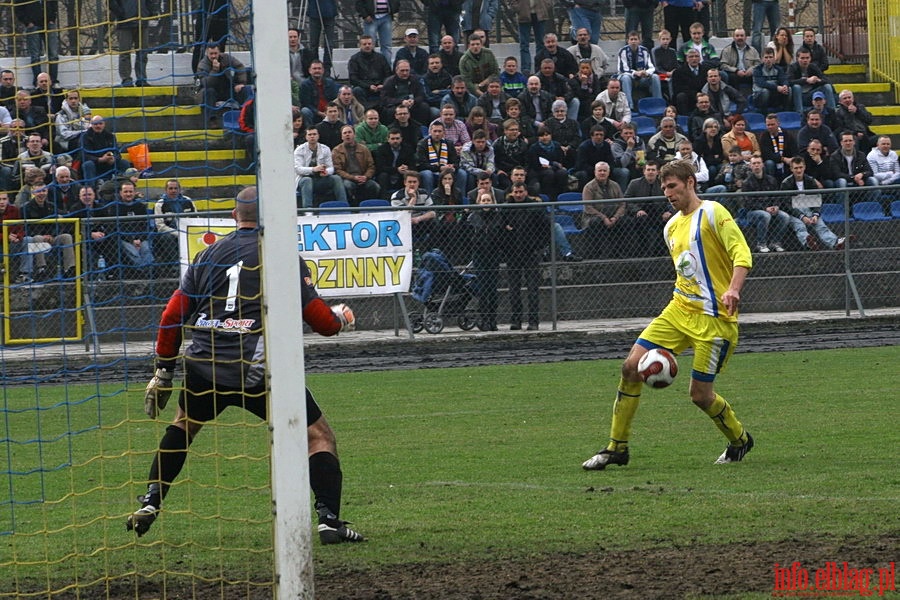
{"type": "Point", "coordinates": [319, 184]}
{"type": "Point", "coordinates": [643, 18]}
{"type": "Point", "coordinates": [651, 83]}
{"type": "Point", "coordinates": [801, 99]}
{"type": "Point", "coordinates": [138, 257]}
{"type": "Point", "coordinates": [381, 29]}
{"type": "Point", "coordinates": [563, 247]}
{"type": "Point", "coordinates": [436, 18]}
{"type": "Point", "coordinates": [89, 170]}
{"type": "Point", "coordinates": [768, 226]}
{"type": "Point", "coordinates": [828, 238]}
{"type": "Point", "coordinates": [485, 18]}
{"type": "Point", "coordinates": [765, 9]}
{"type": "Point", "coordinates": [34, 43]}
{"type": "Point", "coordinates": [525, 30]}
{"type": "Point", "coordinates": [591, 20]}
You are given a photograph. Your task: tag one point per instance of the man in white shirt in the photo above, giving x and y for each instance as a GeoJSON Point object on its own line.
{"type": "Point", "coordinates": [314, 171]}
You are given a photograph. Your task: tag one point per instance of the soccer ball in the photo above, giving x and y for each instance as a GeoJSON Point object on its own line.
{"type": "Point", "coordinates": [658, 368]}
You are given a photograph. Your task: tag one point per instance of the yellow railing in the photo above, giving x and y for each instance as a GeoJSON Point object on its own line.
{"type": "Point", "coordinates": [884, 42]}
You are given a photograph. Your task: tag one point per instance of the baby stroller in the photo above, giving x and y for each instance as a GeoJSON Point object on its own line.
{"type": "Point", "coordinates": [445, 294]}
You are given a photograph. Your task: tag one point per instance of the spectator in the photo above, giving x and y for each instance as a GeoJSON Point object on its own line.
{"type": "Point", "coordinates": [709, 58]}
{"type": "Point", "coordinates": [423, 220]}
{"type": "Point", "coordinates": [411, 53]}
{"type": "Point", "coordinates": [564, 131]}
{"type": "Point", "coordinates": [644, 220]}
{"type": "Point", "coordinates": [33, 157]}
{"type": "Point", "coordinates": [765, 214]}
{"type": "Point", "coordinates": [584, 50]}
{"type": "Point", "coordinates": [210, 25]}
{"type": "Point", "coordinates": [133, 32]}
{"type": "Point", "coordinates": [41, 23]}
{"type": "Point", "coordinates": [598, 117]}
{"type": "Point", "coordinates": [409, 129]}
{"type": "Point", "coordinates": [371, 133]}
{"type": "Point", "coordinates": [526, 238]}
{"type": "Point", "coordinates": [678, 16]}
{"type": "Point", "coordinates": [330, 127]}
{"type": "Point", "coordinates": [378, 19]}
{"type": "Point", "coordinates": [450, 55]}
{"type": "Point", "coordinates": [828, 115]}
{"type": "Point", "coordinates": [815, 129]}
{"type": "Point", "coordinates": [764, 10]}
{"type": "Point", "coordinates": [817, 52]}
{"type": "Point", "coordinates": [532, 17]}
{"type": "Point", "coordinates": [33, 117]}
{"type": "Point", "coordinates": [47, 96]}
{"type": "Point", "coordinates": [883, 162]}
{"type": "Point", "coordinates": [806, 79]}
{"type": "Point", "coordinates": [168, 208]}
{"type": "Point", "coordinates": [299, 58]}
{"type": "Point", "coordinates": [708, 145]}
{"type": "Point", "coordinates": [699, 115]}
{"type": "Point", "coordinates": [298, 127]}
{"type": "Point", "coordinates": [476, 160]}
{"type": "Point", "coordinates": [558, 87]}
{"type": "Point", "coordinates": [18, 256]}
{"type": "Point", "coordinates": [663, 146]}
{"type": "Point", "coordinates": [106, 192]}
{"type": "Point", "coordinates": [32, 179]}
{"type": "Point", "coordinates": [63, 192]}
{"type": "Point", "coordinates": [485, 185]}
{"type": "Point", "coordinates": [352, 111]}
{"type": "Point", "coordinates": [635, 68]}
{"type": "Point", "coordinates": [723, 98]}
{"type": "Point", "coordinates": [354, 164]}
{"type": "Point", "coordinates": [730, 179]}
{"type": "Point", "coordinates": [618, 110]}
{"type": "Point", "coordinates": [805, 217]}
{"type": "Point", "coordinates": [510, 150]}
{"type": "Point", "coordinates": [432, 155]}
{"type": "Point", "coordinates": [512, 81]}
{"type": "Point", "coordinates": [437, 82]}
{"type": "Point", "coordinates": [738, 61]}
{"type": "Point", "coordinates": [545, 164]}
{"type": "Point", "coordinates": [639, 13]}
{"type": "Point", "coordinates": [563, 61]}
{"type": "Point", "coordinates": [315, 93]}
{"type": "Point", "coordinates": [368, 69]}
{"type": "Point", "coordinates": [449, 233]}
{"type": "Point", "coordinates": [585, 14]}
{"type": "Point", "coordinates": [740, 137]}
{"type": "Point", "coordinates": [536, 102]}
{"type": "Point", "coordinates": [439, 14]}
{"type": "Point", "coordinates": [100, 153]}
{"type": "Point", "coordinates": [783, 44]}
{"type": "Point", "coordinates": [73, 119]}
{"type": "Point", "coordinates": [686, 80]}
{"type": "Point", "coordinates": [665, 60]}
{"type": "Point", "coordinates": [8, 90]}
{"type": "Point", "coordinates": [771, 91]}
{"type": "Point", "coordinates": [42, 234]}
{"type": "Point", "coordinates": [477, 121]}
{"type": "Point", "coordinates": [850, 115]}
{"type": "Point", "coordinates": [392, 161]}
{"type": "Point", "coordinates": [596, 149]}
{"type": "Point", "coordinates": [493, 102]}
{"type": "Point", "coordinates": [603, 221]}
{"type": "Point", "coordinates": [483, 21]}
{"type": "Point", "coordinates": [583, 89]}
{"type": "Point", "coordinates": [133, 235]}
{"type": "Point", "coordinates": [630, 151]}
{"type": "Point", "coordinates": [778, 147]}
{"type": "Point", "coordinates": [488, 232]}
{"type": "Point", "coordinates": [321, 15]}
{"type": "Point", "coordinates": [455, 131]}
{"type": "Point", "coordinates": [526, 125]}
{"type": "Point", "coordinates": [314, 171]}
{"type": "Point", "coordinates": [477, 65]}
{"type": "Point", "coordinates": [850, 166]}
{"type": "Point", "coordinates": [817, 166]}
{"type": "Point", "coordinates": [460, 98]}
{"type": "Point", "coordinates": [224, 81]}
{"type": "Point", "coordinates": [403, 90]}
{"type": "Point", "coordinates": [91, 220]}
{"type": "Point", "coordinates": [686, 153]}
{"type": "Point", "coordinates": [11, 146]}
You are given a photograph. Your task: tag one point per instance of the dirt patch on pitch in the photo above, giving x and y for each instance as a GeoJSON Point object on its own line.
{"type": "Point", "coordinates": [694, 571]}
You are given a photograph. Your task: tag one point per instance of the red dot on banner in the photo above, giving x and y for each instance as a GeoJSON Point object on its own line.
{"type": "Point", "coordinates": [209, 238]}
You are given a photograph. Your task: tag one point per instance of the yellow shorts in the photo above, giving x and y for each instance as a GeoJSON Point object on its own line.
{"type": "Point", "coordinates": [712, 339]}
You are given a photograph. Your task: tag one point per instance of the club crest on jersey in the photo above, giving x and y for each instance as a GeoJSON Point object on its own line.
{"type": "Point", "coordinates": [686, 265]}
{"type": "Point", "coordinates": [236, 325]}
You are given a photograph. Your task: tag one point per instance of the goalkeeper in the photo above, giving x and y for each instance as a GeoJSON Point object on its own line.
{"type": "Point", "coordinates": [220, 300]}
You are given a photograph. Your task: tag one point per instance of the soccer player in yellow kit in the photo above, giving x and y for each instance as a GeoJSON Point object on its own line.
{"type": "Point", "coordinates": [712, 260]}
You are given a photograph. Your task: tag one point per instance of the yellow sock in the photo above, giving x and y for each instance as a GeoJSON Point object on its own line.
{"type": "Point", "coordinates": [627, 399]}
{"type": "Point", "coordinates": [723, 416]}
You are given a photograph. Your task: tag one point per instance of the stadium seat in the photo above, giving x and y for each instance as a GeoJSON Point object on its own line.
{"type": "Point", "coordinates": [570, 197]}
{"type": "Point", "coordinates": [374, 202]}
{"type": "Point", "coordinates": [790, 120]}
{"type": "Point", "coordinates": [335, 204]}
{"type": "Point", "coordinates": [568, 224]}
{"type": "Point", "coordinates": [895, 209]}
{"type": "Point", "coordinates": [645, 126]}
{"type": "Point", "coordinates": [652, 107]}
{"type": "Point", "coordinates": [869, 211]}
{"type": "Point", "coordinates": [544, 197]}
{"type": "Point", "coordinates": [684, 122]}
{"type": "Point", "coordinates": [755, 122]}
{"type": "Point", "coordinates": [832, 212]}
{"type": "Point", "coordinates": [230, 121]}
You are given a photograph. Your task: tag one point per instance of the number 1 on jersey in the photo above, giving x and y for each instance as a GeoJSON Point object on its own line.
{"type": "Point", "coordinates": [234, 274]}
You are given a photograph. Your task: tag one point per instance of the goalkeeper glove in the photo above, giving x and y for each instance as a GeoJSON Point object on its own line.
{"type": "Point", "coordinates": [345, 314]}
{"type": "Point", "coordinates": [158, 392]}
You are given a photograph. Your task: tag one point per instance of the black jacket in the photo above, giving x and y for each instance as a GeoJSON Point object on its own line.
{"type": "Point", "coordinates": [366, 8]}
{"type": "Point", "coordinates": [368, 69]}
{"type": "Point", "coordinates": [37, 12]}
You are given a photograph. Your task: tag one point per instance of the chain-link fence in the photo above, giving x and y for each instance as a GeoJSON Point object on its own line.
{"type": "Point", "coordinates": [498, 265]}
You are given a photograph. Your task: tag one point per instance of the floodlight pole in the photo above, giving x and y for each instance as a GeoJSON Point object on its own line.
{"type": "Point", "coordinates": [282, 308]}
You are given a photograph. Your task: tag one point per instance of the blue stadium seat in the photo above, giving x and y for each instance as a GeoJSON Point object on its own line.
{"type": "Point", "coordinates": [544, 197]}
{"type": "Point", "coordinates": [335, 204]}
{"type": "Point", "coordinates": [790, 120]}
{"type": "Point", "coordinates": [568, 224]}
{"type": "Point", "coordinates": [755, 122]}
{"type": "Point", "coordinates": [684, 122]}
{"type": "Point", "coordinates": [230, 121]}
{"type": "Point", "coordinates": [832, 212]}
{"type": "Point", "coordinates": [895, 209]}
{"type": "Point", "coordinates": [869, 211]}
{"type": "Point", "coordinates": [652, 107]}
{"type": "Point", "coordinates": [374, 202]}
{"type": "Point", "coordinates": [645, 126]}
{"type": "Point", "coordinates": [570, 197]}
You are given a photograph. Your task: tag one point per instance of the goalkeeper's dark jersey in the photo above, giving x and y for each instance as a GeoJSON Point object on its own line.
{"type": "Point", "coordinates": [224, 314]}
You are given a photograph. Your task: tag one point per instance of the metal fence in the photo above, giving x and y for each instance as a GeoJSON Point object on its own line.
{"type": "Point", "coordinates": [625, 272]}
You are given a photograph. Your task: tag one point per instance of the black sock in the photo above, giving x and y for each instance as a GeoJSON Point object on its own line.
{"type": "Point", "coordinates": [167, 464]}
{"type": "Point", "coordinates": [325, 479]}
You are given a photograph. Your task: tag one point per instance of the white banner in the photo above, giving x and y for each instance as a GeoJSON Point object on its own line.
{"type": "Point", "coordinates": [362, 254]}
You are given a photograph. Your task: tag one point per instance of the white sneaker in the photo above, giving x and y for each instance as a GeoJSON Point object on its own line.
{"type": "Point", "coordinates": [777, 248]}
{"type": "Point", "coordinates": [762, 248]}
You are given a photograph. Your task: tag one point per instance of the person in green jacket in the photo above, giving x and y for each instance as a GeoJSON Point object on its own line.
{"type": "Point", "coordinates": [371, 133]}
{"type": "Point", "coordinates": [477, 65]}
